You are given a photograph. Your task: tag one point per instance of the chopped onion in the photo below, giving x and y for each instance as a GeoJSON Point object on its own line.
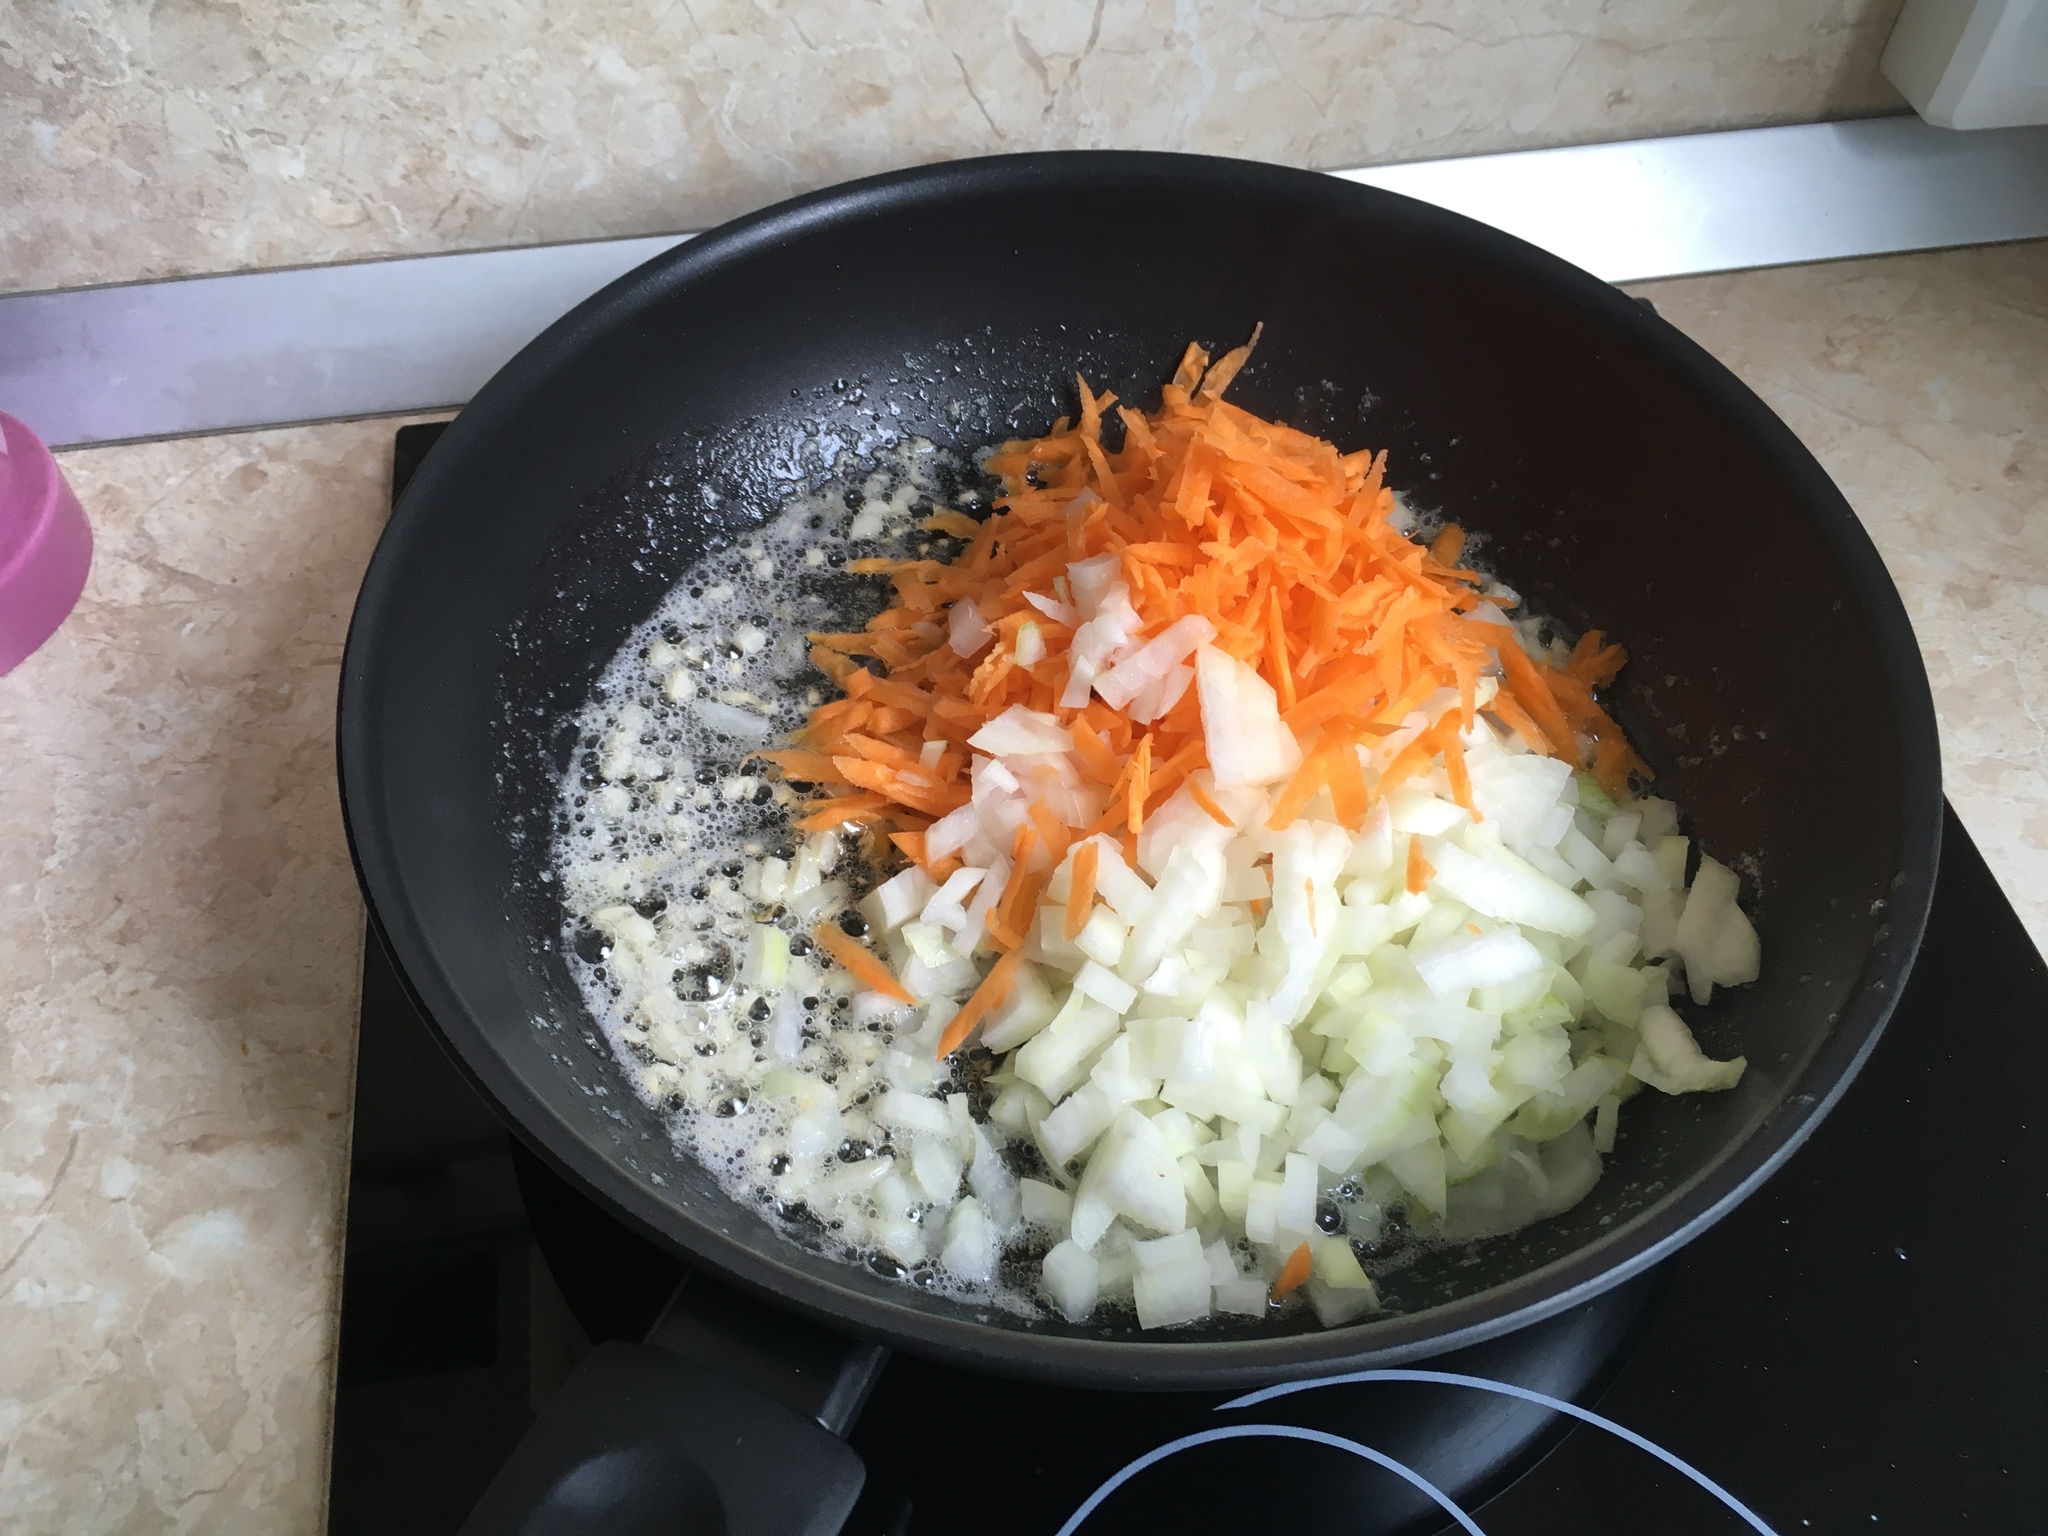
{"type": "Point", "coordinates": [967, 632]}
{"type": "Point", "coordinates": [1042, 1204]}
{"type": "Point", "coordinates": [951, 832]}
{"type": "Point", "coordinates": [1505, 887]}
{"type": "Point", "coordinates": [970, 1250]}
{"type": "Point", "coordinates": [1058, 612]}
{"type": "Point", "coordinates": [1714, 937]}
{"type": "Point", "coordinates": [729, 720]}
{"type": "Point", "coordinates": [1247, 742]}
{"type": "Point", "coordinates": [1018, 730]}
{"type": "Point", "coordinates": [1670, 1060]}
{"type": "Point", "coordinates": [1071, 1279]}
{"type": "Point", "coordinates": [1091, 580]}
{"type": "Point", "coordinates": [1029, 649]}
{"type": "Point", "coordinates": [1464, 961]}
{"type": "Point", "coordinates": [1154, 660]}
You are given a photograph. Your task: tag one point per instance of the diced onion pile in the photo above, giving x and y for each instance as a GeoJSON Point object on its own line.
{"type": "Point", "coordinates": [1286, 880]}
{"type": "Point", "coordinates": [1248, 1020]}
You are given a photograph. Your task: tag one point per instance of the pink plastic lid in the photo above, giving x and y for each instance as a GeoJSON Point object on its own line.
{"type": "Point", "coordinates": [45, 544]}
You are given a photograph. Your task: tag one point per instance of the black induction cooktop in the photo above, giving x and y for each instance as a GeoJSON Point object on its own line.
{"type": "Point", "coordinates": [1861, 1345]}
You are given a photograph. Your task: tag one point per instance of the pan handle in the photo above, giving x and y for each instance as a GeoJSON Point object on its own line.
{"type": "Point", "coordinates": [726, 1422]}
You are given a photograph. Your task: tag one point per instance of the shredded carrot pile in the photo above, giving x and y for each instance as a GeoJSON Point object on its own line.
{"type": "Point", "coordinates": [1282, 543]}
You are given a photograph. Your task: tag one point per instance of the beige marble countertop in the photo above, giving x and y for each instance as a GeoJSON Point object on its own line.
{"type": "Point", "coordinates": [206, 135]}
{"type": "Point", "coordinates": [179, 971]}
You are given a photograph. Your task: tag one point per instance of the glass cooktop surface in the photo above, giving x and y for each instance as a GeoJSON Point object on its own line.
{"type": "Point", "coordinates": [1861, 1345]}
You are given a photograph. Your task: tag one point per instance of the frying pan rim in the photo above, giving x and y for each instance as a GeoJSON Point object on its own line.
{"type": "Point", "coordinates": [1628, 1248]}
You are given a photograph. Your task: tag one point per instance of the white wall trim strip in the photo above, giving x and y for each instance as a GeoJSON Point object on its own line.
{"type": "Point", "coordinates": [254, 349]}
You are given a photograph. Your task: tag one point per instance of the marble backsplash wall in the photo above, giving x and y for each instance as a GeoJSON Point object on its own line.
{"type": "Point", "coordinates": [149, 140]}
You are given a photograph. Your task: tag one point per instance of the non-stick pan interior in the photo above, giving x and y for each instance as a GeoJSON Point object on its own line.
{"type": "Point", "coordinates": [1615, 475]}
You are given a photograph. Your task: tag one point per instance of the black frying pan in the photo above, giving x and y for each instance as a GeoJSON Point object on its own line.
{"type": "Point", "coordinates": [1621, 476]}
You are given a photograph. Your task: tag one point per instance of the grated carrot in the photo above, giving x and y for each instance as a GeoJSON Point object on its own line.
{"type": "Point", "coordinates": [1054, 836]}
{"type": "Point", "coordinates": [1516, 719]}
{"type": "Point", "coordinates": [1532, 692]}
{"type": "Point", "coordinates": [1460, 777]}
{"type": "Point", "coordinates": [993, 992]}
{"type": "Point", "coordinates": [1096, 758]}
{"type": "Point", "coordinates": [1202, 798]}
{"type": "Point", "coordinates": [917, 788]}
{"type": "Point", "coordinates": [1007, 922]}
{"type": "Point", "coordinates": [1081, 889]}
{"type": "Point", "coordinates": [863, 962]}
{"type": "Point", "coordinates": [1292, 1273]}
{"type": "Point", "coordinates": [911, 846]}
{"type": "Point", "coordinates": [1308, 780]}
{"type": "Point", "coordinates": [814, 767]}
{"type": "Point", "coordinates": [1349, 796]}
{"type": "Point", "coordinates": [1009, 925]}
{"type": "Point", "coordinates": [1276, 650]}
{"type": "Point", "coordinates": [1020, 848]}
{"type": "Point", "coordinates": [826, 814]}
{"type": "Point", "coordinates": [1420, 870]}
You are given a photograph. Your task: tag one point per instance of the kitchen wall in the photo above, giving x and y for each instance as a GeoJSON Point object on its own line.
{"type": "Point", "coordinates": [149, 140]}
